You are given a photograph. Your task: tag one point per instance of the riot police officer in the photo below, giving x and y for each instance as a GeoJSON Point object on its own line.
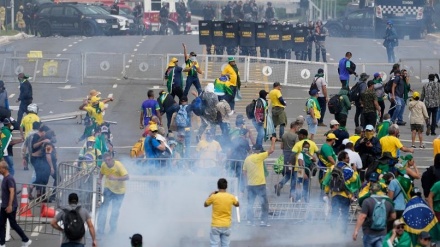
{"type": "Point", "coordinates": [310, 39]}
{"type": "Point", "coordinates": [300, 44]}
{"type": "Point", "coordinates": [273, 52]}
{"type": "Point", "coordinates": [320, 34]}
{"type": "Point", "coordinates": [208, 12]}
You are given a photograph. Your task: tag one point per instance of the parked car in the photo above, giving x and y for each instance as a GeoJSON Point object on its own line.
{"type": "Point", "coordinates": [123, 22]}
{"type": "Point", "coordinates": [123, 13]}
{"type": "Point", "coordinates": [73, 19]}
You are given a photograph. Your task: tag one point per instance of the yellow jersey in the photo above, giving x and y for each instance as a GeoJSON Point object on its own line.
{"type": "Point", "coordinates": [274, 96]}
{"type": "Point", "coordinates": [27, 122]}
{"type": "Point", "coordinates": [254, 167]}
{"type": "Point", "coordinates": [96, 113]}
{"type": "Point", "coordinates": [222, 203]}
{"type": "Point", "coordinates": [390, 144]}
{"type": "Point", "coordinates": [118, 170]}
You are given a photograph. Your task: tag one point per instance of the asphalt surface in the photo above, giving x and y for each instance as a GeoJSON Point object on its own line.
{"type": "Point", "coordinates": [129, 94]}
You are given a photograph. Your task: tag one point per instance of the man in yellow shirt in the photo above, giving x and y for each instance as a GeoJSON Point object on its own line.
{"type": "Point", "coordinates": [222, 203]}
{"type": "Point", "coordinates": [358, 134]}
{"type": "Point", "coordinates": [278, 104]}
{"type": "Point", "coordinates": [392, 144]}
{"type": "Point", "coordinates": [209, 151]}
{"type": "Point", "coordinates": [231, 70]}
{"type": "Point", "coordinates": [95, 108]}
{"type": "Point", "coordinates": [254, 170]}
{"type": "Point", "coordinates": [115, 176]}
{"type": "Point", "coordinates": [28, 120]}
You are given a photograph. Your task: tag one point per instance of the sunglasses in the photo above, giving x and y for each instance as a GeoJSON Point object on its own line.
{"type": "Point", "coordinates": [400, 227]}
{"type": "Point", "coordinates": [427, 239]}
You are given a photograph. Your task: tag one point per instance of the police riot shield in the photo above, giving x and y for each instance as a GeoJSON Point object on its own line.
{"type": "Point", "coordinates": [274, 35]}
{"type": "Point", "coordinates": [261, 34]}
{"type": "Point", "coordinates": [230, 34]}
{"type": "Point", "coordinates": [247, 33]}
{"type": "Point", "coordinates": [217, 33]}
{"type": "Point", "coordinates": [300, 38]}
{"type": "Point", "coordinates": [205, 34]}
{"type": "Point", "coordinates": [286, 36]}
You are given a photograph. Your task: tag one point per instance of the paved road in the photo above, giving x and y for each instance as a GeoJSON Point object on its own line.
{"type": "Point", "coordinates": [128, 94]}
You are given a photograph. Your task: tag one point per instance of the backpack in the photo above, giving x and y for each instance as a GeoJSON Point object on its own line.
{"type": "Point", "coordinates": [428, 179]}
{"type": "Point", "coordinates": [197, 106]}
{"type": "Point", "coordinates": [138, 149]}
{"type": "Point", "coordinates": [355, 92]}
{"type": "Point", "coordinates": [371, 167]}
{"type": "Point", "coordinates": [250, 109]}
{"type": "Point", "coordinates": [73, 224]}
{"type": "Point", "coordinates": [334, 104]}
{"type": "Point", "coordinates": [352, 66]}
{"type": "Point", "coordinates": [313, 85]}
{"type": "Point", "coordinates": [388, 86]}
{"type": "Point", "coordinates": [379, 216]}
{"type": "Point", "coordinates": [278, 167]}
{"type": "Point", "coordinates": [337, 182]}
{"type": "Point", "coordinates": [182, 117]}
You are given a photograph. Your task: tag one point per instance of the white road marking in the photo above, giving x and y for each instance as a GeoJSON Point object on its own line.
{"type": "Point", "coordinates": [70, 45]}
{"type": "Point", "coordinates": [135, 50]}
{"type": "Point", "coordinates": [127, 66]}
{"type": "Point", "coordinates": [75, 42]}
{"type": "Point", "coordinates": [137, 45]}
{"type": "Point", "coordinates": [110, 95]}
{"type": "Point", "coordinates": [11, 95]}
{"type": "Point", "coordinates": [118, 79]}
{"type": "Point", "coordinates": [132, 55]}
{"type": "Point", "coordinates": [36, 231]}
{"type": "Point", "coordinates": [64, 49]}
{"type": "Point", "coordinates": [142, 40]}
{"type": "Point", "coordinates": [58, 54]}
{"type": "Point", "coordinates": [130, 61]}
{"type": "Point", "coordinates": [115, 85]}
{"type": "Point", "coordinates": [80, 40]}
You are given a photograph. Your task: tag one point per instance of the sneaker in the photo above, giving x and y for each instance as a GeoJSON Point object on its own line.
{"type": "Point", "coordinates": [401, 123]}
{"type": "Point", "coordinates": [277, 189]}
{"type": "Point", "coordinates": [422, 146]}
{"type": "Point", "coordinates": [26, 244]}
{"type": "Point", "coordinates": [231, 113]}
{"type": "Point", "coordinates": [413, 146]}
{"type": "Point", "coordinates": [264, 224]}
{"type": "Point", "coordinates": [433, 134]}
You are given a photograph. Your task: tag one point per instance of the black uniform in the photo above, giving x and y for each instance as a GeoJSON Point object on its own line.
{"type": "Point", "coordinates": [181, 15]}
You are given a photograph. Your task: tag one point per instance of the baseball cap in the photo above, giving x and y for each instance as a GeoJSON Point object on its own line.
{"type": "Point", "coordinates": [389, 23]}
{"type": "Point", "coordinates": [303, 132]}
{"type": "Point", "coordinates": [415, 95]}
{"type": "Point", "coordinates": [231, 59]}
{"type": "Point", "coordinates": [398, 222]}
{"type": "Point", "coordinates": [300, 119]}
{"type": "Point", "coordinates": [374, 177]}
{"type": "Point", "coordinates": [193, 54]}
{"type": "Point", "coordinates": [262, 93]}
{"type": "Point", "coordinates": [345, 141]}
{"type": "Point", "coordinates": [257, 148]}
{"type": "Point", "coordinates": [104, 129]}
{"type": "Point", "coordinates": [424, 235]}
{"type": "Point", "coordinates": [331, 136]}
{"type": "Point", "coordinates": [73, 197]}
{"type": "Point", "coordinates": [314, 92]}
{"type": "Point", "coordinates": [377, 74]}
{"type": "Point", "coordinates": [136, 239]}
{"type": "Point", "coordinates": [334, 122]}
{"type": "Point", "coordinates": [153, 127]}
{"type": "Point", "coordinates": [369, 127]}
{"type": "Point", "coordinates": [91, 139]}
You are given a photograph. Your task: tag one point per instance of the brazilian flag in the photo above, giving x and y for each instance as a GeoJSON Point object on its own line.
{"type": "Point", "coordinates": [222, 85]}
{"type": "Point", "coordinates": [364, 193]}
{"type": "Point", "coordinates": [418, 217]}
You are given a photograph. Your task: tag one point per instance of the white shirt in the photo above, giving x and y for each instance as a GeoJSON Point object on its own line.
{"type": "Point", "coordinates": [354, 158]}
{"type": "Point", "coordinates": [321, 82]}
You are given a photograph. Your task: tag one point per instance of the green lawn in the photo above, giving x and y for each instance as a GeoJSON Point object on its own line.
{"type": "Point", "coordinates": [9, 32]}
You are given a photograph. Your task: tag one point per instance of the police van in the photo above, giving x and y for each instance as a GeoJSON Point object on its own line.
{"type": "Point", "coordinates": [370, 21]}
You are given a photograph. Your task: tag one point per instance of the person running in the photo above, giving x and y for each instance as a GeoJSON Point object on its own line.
{"type": "Point", "coordinates": [149, 108]}
{"type": "Point", "coordinates": [9, 207]}
{"type": "Point", "coordinates": [193, 69]}
{"type": "Point", "coordinates": [222, 203]}
{"type": "Point", "coordinates": [279, 116]}
{"type": "Point", "coordinates": [253, 169]}
{"type": "Point", "coordinates": [73, 201]}
{"type": "Point", "coordinates": [95, 108]}
{"type": "Point", "coordinates": [115, 175]}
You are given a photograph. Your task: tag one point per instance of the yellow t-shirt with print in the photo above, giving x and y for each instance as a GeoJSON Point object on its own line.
{"type": "Point", "coordinates": [312, 104]}
{"type": "Point", "coordinates": [274, 96]}
{"type": "Point", "coordinates": [118, 170]}
{"type": "Point", "coordinates": [390, 144]}
{"type": "Point", "coordinates": [354, 138]}
{"type": "Point", "coordinates": [222, 203]}
{"type": "Point", "coordinates": [254, 167]}
{"type": "Point", "coordinates": [228, 70]}
{"type": "Point", "coordinates": [297, 148]}
{"type": "Point", "coordinates": [92, 111]}
{"type": "Point", "coordinates": [28, 121]}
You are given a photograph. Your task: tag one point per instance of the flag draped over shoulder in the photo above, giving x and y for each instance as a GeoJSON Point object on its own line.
{"type": "Point", "coordinates": [352, 179]}
{"type": "Point", "coordinates": [418, 217]}
{"type": "Point", "coordinates": [170, 77]}
{"type": "Point", "coordinates": [222, 85]}
{"type": "Point", "coordinates": [364, 193]}
{"type": "Point", "coordinates": [403, 241]}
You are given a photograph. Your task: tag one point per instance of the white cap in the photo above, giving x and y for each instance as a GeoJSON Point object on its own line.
{"type": "Point", "coordinates": [345, 141]}
{"type": "Point", "coordinates": [369, 127]}
{"type": "Point", "coordinates": [334, 122]}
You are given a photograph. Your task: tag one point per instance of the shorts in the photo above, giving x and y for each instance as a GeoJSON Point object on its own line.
{"type": "Point", "coordinates": [417, 127]}
{"type": "Point", "coordinates": [312, 127]}
{"type": "Point", "coordinates": [279, 116]}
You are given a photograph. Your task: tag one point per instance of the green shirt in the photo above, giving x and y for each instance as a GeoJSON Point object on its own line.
{"type": "Point", "coordinates": [435, 189]}
{"type": "Point", "coordinates": [382, 129]}
{"type": "Point", "coordinates": [327, 150]}
{"type": "Point", "coordinates": [345, 101]}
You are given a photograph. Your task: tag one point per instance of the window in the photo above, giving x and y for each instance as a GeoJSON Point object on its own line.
{"type": "Point", "coordinates": [57, 11]}
{"type": "Point", "coordinates": [156, 5]}
{"type": "Point", "coordinates": [356, 15]}
{"type": "Point", "coordinates": [71, 12]}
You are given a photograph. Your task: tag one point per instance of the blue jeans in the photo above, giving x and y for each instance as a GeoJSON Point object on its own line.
{"type": "Point", "coordinates": [390, 54]}
{"type": "Point", "coordinates": [438, 116]}
{"type": "Point", "coordinates": [220, 235]}
{"type": "Point", "coordinates": [372, 240]}
{"type": "Point", "coordinates": [187, 141]}
{"type": "Point", "coordinates": [289, 175]}
{"type": "Point", "coordinates": [190, 80]}
{"type": "Point", "coordinates": [340, 203]}
{"type": "Point", "coordinates": [172, 109]}
{"type": "Point", "coordinates": [237, 171]}
{"type": "Point", "coordinates": [260, 132]}
{"type": "Point", "coordinates": [72, 245]}
{"type": "Point", "coordinates": [253, 192]}
{"type": "Point", "coordinates": [116, 201]}
{"type": "Point", "coordinates": [10, 161]}
{"type": "Point", "coordinates": [305, 192]}
{"type": "Point", "coordinates": [398, 111]}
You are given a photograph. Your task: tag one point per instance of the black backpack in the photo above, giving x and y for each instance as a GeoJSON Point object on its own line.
{"type": "Point", "coordinates": [429, 178]}
{"type": "Point", "coordinates": [334, 104]}
{"type": "Point", "coordinates": [355, 92]}
{"type": "Point", "coordinates": [371, 167]}
{"type": "Point", "coordinates": [388, 86]}
{"type": "Point", "coordinates": [73, 224]}
{"type": "Point", "coordinates": [250, 109]}
{"type": "Point", "coordinates": [313, 85]}
{"type": "Point", "coordinates": [337, 182]}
